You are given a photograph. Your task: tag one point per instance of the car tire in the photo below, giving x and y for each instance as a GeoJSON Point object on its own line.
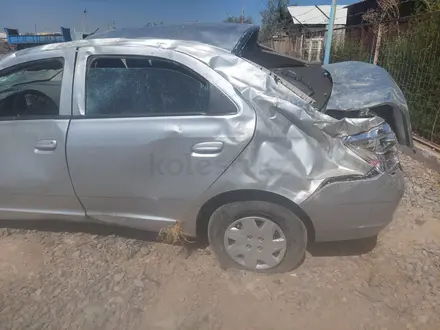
{"type": "Point", "coordinates": [236, 241]}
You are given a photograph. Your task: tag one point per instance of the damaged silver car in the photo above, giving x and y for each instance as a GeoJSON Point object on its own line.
{"type": "Point", "coordinates": [201, 126]}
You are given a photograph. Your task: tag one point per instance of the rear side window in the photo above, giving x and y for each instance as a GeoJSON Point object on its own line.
{"type": "Point", "coordinates": [142, 86]}
{"type": "Point", "coordinates": [31, 89]}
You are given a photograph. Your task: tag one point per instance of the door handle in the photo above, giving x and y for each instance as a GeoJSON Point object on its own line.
{"type": "Point", "coordinates": [45, 145]}
{"type": "Point", "coordinates": [206, 148]}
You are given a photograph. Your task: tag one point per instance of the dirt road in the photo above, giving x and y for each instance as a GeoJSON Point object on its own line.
{"type": "Point", "coordinates": [64, 278]}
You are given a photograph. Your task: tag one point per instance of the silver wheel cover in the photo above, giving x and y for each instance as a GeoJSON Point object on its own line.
{"type": "Point", "coordinates": [255, 242]}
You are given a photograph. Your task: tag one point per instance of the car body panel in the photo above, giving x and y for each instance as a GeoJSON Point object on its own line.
{"type": "Point", "coordinates": [290, 158]}
{"type": "Point", "coordinates": [35, 184]}
{"type": "Point", "coordinates": [144, 171]}
{"type": "Point", "coordinates": [354, 209]}
{"type": "Point", "coordinates": [279, 143]}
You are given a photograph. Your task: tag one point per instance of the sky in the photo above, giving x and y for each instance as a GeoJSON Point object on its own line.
{"type": "Point", "coordinates": [50, 15]}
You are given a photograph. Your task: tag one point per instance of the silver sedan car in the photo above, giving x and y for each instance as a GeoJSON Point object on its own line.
{"type": "Point", "coordinates": [200, 126]}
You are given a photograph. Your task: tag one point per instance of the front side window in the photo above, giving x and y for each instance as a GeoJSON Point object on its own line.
{"type": "Point", "coordinates": [31, 89]}
{"type": "Point", "coordinates": [142, 86]}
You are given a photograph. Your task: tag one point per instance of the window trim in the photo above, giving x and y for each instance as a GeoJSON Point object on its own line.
{"type": "Point", "coordinates": [11, 69]}
{"type": "Point", "coordinates": [25, 64]}
{"type": "Point", "coordinates": [194, 75]}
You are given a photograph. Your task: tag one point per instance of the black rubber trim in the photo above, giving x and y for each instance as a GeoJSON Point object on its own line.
{"type": "Point", "coordinates": [19, 118]}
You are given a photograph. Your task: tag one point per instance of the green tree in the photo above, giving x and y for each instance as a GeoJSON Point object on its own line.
{"type": "Point", "coordinates": [238, 19]}
{"type": "Point", "coordinates": [411, 55]}
{"type": "Point", "coordinates": [275, 18]}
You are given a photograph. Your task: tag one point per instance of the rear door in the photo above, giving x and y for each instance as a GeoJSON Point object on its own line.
{"type": "Point", "coordinates": [35, 109]}
{"type": "Point", "coordinates": [154, 129]}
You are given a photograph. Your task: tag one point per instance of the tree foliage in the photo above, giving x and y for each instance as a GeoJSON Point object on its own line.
{"type": "Point", "coordinates": [5, 47]}
{"type": "Point", "coordinates": [275, 19]}
{"type": "Point", "coordinates": [238, 19]}
{"type": "Point", "coordinates": [410, 52]}
{"type": "Point", "coordinates": [412, 58]}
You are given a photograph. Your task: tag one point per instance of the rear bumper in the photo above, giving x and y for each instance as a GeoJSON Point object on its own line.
{"type": "Point", "coordinates": [354, 209]}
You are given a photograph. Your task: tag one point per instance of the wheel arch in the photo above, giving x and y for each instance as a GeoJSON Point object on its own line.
{"type": "Point", "coordinates": [215, 202]}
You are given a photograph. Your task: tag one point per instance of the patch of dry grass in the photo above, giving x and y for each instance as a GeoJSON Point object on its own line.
{"type": "Point", "coordinates": [173, 235]}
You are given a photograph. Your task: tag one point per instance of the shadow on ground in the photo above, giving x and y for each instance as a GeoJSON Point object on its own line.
{"type": "Point", "coordinates": [75, 227]}
{"type": "Point", "coordinates": [341, 248]}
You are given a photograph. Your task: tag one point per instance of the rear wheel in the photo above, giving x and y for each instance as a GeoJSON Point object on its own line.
{"type": "Point", "coordinates": [258, 236]}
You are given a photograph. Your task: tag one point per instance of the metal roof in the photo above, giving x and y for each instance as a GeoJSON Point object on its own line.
{"type": "Point", "coordinates": [312, 15]}
{"type": "Point", "coordinates": [222, 35]}
{"type": "Point", "coordinates": [100, 42]}
{"type": "Point", "coordinates": [227, 36]}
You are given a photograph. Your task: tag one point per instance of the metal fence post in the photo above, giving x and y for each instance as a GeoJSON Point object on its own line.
{"type": "Point", "coordinates": [328, 42]}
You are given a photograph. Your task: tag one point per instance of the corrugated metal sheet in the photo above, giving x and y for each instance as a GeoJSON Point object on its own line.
{"type": "Point", "coordinates": [312, 15]}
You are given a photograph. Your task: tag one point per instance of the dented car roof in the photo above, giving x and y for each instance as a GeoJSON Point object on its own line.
{"type": "Point", "coordinates": [222, 35]}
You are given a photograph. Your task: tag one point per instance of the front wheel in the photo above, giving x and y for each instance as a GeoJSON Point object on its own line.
{"type": "Point", "coordinates": [258, 236]}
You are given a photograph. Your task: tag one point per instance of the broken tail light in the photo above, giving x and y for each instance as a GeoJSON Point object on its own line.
{"type": "Point", "coordinates": [376, 146]}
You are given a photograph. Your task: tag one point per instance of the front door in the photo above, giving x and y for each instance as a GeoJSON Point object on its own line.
{"type": "Point", "coordinates": [152, 133]}
{"type": "Point", "coordinates": [35, 108]}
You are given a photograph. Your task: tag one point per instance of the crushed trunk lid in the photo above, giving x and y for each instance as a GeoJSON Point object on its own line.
{"type": "Point", "coordinates": [364, 87]}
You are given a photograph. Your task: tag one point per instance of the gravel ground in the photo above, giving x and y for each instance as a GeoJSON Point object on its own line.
{"type": "Point", "coordinates": [82, 277]}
